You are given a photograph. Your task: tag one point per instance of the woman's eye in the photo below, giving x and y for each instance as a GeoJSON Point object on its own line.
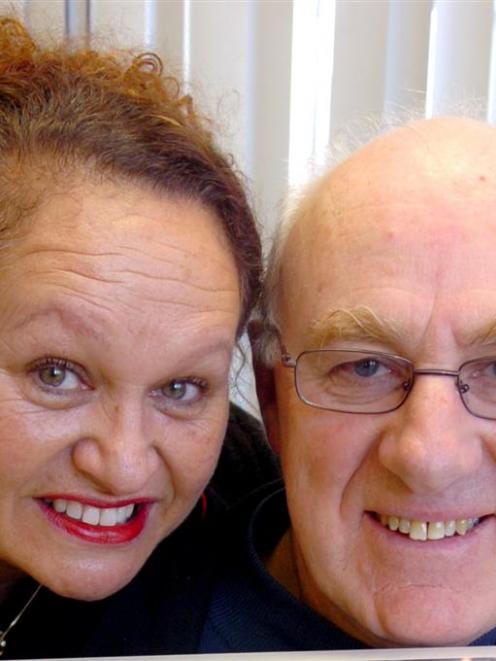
{"type": "Point", "coordinates": [57, 376]}
{"type": "Point", "coordinates": [182, 390]}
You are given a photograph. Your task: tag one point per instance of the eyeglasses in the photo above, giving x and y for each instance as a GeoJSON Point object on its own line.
{"type": "Point", "coordinates": [354, 381]}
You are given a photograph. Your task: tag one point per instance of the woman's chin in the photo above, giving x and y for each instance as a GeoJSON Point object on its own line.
{"type": "Point", "coordinates": [88, 585]}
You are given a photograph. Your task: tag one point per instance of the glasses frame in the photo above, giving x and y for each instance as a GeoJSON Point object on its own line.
{"type": "Point", "coordinates": [288, 361]}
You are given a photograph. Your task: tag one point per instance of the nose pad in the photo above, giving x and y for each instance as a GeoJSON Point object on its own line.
{"type": "Point", "coordinates": [117, 455]}
{"type": "Point", "coordinates": [431, 442]}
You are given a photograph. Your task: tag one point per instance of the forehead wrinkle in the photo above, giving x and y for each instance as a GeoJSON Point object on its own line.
{"type": "Point", "coordinates": [98, 277]}
{"type": "Point", "coordinates": [93, 273]}
{"type": "Point", "coordinates": [196, 285]}
{"type": "Point", "coordinates": [129, 279]}
{"type": "Point", "coordinates": [354, 324]}
{"type": "Point", "coordinates": [166, 246]}
{"type": "Point", "coordinates": [225, 261]}
{"type": "Point", "coordinates": [171, 307]}
{"type": "Point", "coordinates": [121, 252]}
{"type": "Point", "coordinates": [33, 251]}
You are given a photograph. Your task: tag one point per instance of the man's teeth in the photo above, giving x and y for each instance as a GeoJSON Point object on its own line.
{"type": "Point", "coordinates": [427, 530]}
{"type": "Point", "coordinates": [95, 516]}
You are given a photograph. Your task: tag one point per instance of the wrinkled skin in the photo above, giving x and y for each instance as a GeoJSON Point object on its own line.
{"type": "Point", "coordinates": [127, 291]}
{"type": "Point", "coordinates": [403, 231]}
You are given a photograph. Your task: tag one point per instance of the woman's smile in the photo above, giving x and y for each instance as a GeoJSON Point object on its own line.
{"type": "Point", "coordinates": [120, 523]}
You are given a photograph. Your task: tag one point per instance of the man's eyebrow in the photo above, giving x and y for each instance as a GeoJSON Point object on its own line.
{"type": "Point", "coordinates": [358, 324]}
{"type": "Point", "coordinates": [486, 335]}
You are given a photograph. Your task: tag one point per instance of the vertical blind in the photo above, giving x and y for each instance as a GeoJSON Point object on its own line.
{"type": "Point", "coordinates": [282, 78]}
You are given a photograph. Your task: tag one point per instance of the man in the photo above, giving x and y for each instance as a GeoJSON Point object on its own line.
{"type": "Point", "coordinates": [379, 394]}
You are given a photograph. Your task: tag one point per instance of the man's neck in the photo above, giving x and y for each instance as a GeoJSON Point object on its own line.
{"type": "Point", "coordinates": [281, 565]}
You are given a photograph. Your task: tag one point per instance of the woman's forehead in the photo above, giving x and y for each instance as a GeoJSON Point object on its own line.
{"type": "Point", "coordinates": [109, 220]}
{"type": "Point", "coordinates": [133, 251]}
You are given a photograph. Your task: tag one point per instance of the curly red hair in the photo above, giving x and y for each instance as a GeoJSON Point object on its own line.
{"type": "Point", "coordinates": [112, 114]}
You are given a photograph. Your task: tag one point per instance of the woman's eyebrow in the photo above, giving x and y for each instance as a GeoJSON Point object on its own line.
{"type": "Point", "coordinates": [358, 324]}
{"type": "Point", "coordinates": [217, 343]}
{"type": "Point", "coordinates": [67, 316]}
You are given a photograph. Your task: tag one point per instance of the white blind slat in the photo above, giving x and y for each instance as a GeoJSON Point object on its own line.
{"type": "Point", "coordinates": [407, 54]}
{"type": "Point", "coordinates": [77, 17]}
{"type": "Point", "coordinates": [117, 23]}
{"type": "Point", "coordinates": [221, 69]}
{"type": "Point", "coordinates": [270, 108]}
{"type": "Point", "coordinates": [360, 50]}
{"type": "Point", "coordinates": [460, 53]}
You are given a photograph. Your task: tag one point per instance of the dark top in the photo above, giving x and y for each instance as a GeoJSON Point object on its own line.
{"type": "Point", "coordinates": [251, 612]}
{"type": "Point", "coordinates": [161, 611]}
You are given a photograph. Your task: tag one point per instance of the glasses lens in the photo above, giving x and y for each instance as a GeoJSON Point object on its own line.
{"type": "Point", "coordinates": [352, 381]}
{"type": "Point", "coordinates": [477, 384]}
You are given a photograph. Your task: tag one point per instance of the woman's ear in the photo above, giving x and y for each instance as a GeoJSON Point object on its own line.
{"type": "Point", "coordinates": [266, 391]}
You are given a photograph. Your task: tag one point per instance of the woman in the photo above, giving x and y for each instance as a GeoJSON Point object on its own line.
{"type": "Point", "coordinates": [130, 262]}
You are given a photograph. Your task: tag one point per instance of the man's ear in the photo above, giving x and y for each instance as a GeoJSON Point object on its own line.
{"type": "Point", "coordinates": [266, 390]}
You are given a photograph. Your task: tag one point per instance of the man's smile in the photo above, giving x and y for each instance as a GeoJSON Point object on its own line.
{"type": "Point", "coordinates": [427, 530]}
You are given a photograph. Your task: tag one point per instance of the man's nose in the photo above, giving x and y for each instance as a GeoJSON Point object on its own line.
{"type": "Point", "coordinates": [432, 441]}
{"type": "Point", "coordinates": [117, 452]}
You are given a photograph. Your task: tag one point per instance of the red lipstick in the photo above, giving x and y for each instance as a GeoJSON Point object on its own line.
{"type": "Point", "coordinates": [121, 533]}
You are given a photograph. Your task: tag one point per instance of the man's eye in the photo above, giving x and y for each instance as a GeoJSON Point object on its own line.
{"type": "Point", "coordinates": [490, 371]}
{"type": "Point", "coordinates": [57, 375]}
{"type": "Point", "coordinates": [368, 367]}
{"type": "Point", "coordinates": [184, 391]}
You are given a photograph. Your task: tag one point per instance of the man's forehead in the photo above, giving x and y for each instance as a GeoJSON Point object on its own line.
{"type": "Point", "coordinates": [434, 153]}
{"type": "Point", "coordinates": [425, 206]}
{"type": "Point", "coordinates": [451, 143]}
{"type": "Point", "coordinates": [446, 160]}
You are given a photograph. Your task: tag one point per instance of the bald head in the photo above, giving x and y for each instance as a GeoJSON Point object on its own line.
{"type": "Point", "coordinates": [451, 160]}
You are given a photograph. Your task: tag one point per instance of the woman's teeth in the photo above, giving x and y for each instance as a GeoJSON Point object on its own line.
{"type": "Point", "coordinates": [95, 516]}
{"type": "Point", "coordinates": [427, 530]}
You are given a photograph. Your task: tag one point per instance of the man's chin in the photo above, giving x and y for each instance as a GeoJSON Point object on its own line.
{"type": "Point", "coordinates": [432, 617]}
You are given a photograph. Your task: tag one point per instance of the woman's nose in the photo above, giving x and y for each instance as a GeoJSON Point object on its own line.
{"type": "Point", "coordinates": [432, 441]}
{"type": "Point", "coordinates": [118, 453]}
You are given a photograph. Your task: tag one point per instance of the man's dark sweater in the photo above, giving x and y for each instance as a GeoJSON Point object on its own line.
{"type": "Point", "coordinates": [250, 611]}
